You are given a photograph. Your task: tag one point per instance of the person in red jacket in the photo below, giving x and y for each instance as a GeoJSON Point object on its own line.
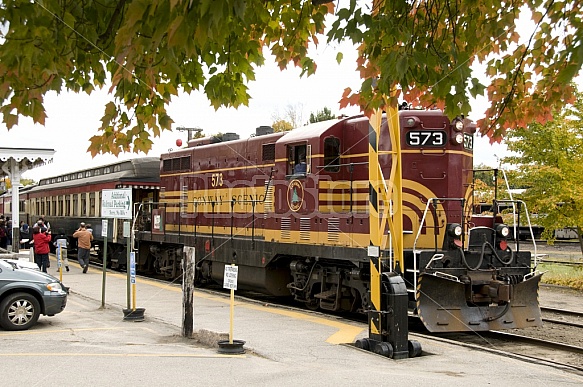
{"type": "Point", "coordinates": [42, 248]}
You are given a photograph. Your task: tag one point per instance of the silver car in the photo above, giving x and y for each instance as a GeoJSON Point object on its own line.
{"type": "Point", "coordinates": [26, 294]}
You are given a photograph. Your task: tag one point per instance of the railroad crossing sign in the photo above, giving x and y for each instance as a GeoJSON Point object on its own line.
{"type": "Point", "coordinates": [116, 203]}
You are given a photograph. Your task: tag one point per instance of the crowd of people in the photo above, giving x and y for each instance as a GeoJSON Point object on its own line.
{"type": "Point", "coordinates": [39, 238]}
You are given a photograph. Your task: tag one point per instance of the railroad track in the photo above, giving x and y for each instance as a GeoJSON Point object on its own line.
{"type": "Point", "coordinates": [559, 343]}
{"type": "Point", "coordinates": [537, 351]}
{"type": "Point", "coordinates": [562, 316]}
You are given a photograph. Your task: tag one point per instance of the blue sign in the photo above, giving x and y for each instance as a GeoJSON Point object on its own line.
{"type": "Point", "coordinates": [133, 267]}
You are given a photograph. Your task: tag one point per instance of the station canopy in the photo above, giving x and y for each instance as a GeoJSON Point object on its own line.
{"type": "Point", "coordinates": [24, 159]}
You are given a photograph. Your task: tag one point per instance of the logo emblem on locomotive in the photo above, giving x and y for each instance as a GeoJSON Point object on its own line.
{"type": "Point", "coordinates": [295, 195]}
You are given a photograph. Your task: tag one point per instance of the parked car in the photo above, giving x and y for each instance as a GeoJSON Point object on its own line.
{"type": "Point", "coordinates": [22, 264]}
{"type": "Point", "coordinates": [26, 294]}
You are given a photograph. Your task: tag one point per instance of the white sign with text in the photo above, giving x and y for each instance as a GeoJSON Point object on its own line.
{"type": "Point", "coordinates": [230, 277]}
{"type": "Point", "coordinates": [116, 203]}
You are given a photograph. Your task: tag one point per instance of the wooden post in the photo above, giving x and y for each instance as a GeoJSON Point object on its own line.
{"type": "Point", "coordinates": [188, 272]}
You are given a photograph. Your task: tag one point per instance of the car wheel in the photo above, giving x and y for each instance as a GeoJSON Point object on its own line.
{"type": "Point", "coordinates": [19, 311]}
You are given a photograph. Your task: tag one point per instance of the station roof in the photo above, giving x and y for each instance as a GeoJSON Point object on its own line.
{"type": "Point", "coordinates": [27, 158]}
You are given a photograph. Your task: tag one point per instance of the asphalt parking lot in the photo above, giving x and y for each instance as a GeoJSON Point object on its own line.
{"type": "Point", "coordinates": [87, 344]}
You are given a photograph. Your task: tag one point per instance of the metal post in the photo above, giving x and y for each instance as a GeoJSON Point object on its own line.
{"type": "Point", "coordinates": [128, 270]}
{"type": "Point", "coordinates": [15, 180]}
{"type": "Point", "coordinates": [104, 232]}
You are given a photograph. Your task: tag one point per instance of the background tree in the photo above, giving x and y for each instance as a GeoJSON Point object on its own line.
{"type": "Point", "coordinates": [147, 52]}
{"type": "Point", "coordinates": [549, 163]}
{"type": "Point", "coordinates": [292, 117]}
{"type": "Point", "coordinates": [281, 126]}
{"type": "Point", "coordinates": [7, 184]}
{"type": "Point", "coordinates": [321, 115]}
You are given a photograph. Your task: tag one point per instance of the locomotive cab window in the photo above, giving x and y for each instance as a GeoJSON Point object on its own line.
{"type": "Point", "coordinates": [332, 154]}
{"type": "Point", "coordinates": [298, 160]}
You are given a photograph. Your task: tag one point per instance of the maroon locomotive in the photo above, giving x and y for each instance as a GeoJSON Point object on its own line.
{"type": "Point", "coordinates": [291, 210]}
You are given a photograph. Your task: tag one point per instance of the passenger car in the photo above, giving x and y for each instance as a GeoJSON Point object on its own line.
{"type": "Point", "coordinates": [26, 294]}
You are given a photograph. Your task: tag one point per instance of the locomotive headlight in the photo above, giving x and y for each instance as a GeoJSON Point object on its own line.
{"type": "Point", "coordinates": [502, 230]}
{"type": "Point", "coordinates": [411, 122]}
{"type": "Point", "coordinates": [454, 230]}
{"type": "Point", "coordinates": [458, 125]}
{"type": "Point", "coordinates": [458, 138]}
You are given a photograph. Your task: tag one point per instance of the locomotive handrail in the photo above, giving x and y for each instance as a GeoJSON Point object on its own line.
{"type": "Point", "coordinates": [436, 257]}
{"type": "Point", "coordinates": [431, 201]}
{"type": "Point", "coordinates": [444, 175]}
{"type": "Point", "coordinates": [433, 153]}
{"type": "Point", "coordinates": [342, 165]}
{"type": "Point", "coordinates": [529, 227]}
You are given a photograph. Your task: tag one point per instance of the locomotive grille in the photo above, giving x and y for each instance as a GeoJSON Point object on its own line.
{"type": "Point", "coordinates": [333, 230]}
{"type": "Point", "coordinates": [268, 203]}
{"type": "Point", "coordinates": [268, 152]}
{"type": "Point", "coordinates": [305, 229]}
{"type": "Point", "coordinates": [285, 228]}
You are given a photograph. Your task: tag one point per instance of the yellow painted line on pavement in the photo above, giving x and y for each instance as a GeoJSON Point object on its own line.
{"type": "Point", "coordinates": [78, 354]}
{"type": "Point", "coordinates": [346, 332]}
{"type": "Point", "coordinates": [45, 331]}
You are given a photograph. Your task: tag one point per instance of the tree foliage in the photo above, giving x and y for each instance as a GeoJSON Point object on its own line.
{"type": "Point", "coordinates": [321, 115]}
{"type": "Point", "coordinates": [549, 162]}
{"type": "Point", "coordinates": [7, 183]}
{"type": "Point", "coordinates": [281, 125]}
{"type": "Point", "coordinates": [148, 51]}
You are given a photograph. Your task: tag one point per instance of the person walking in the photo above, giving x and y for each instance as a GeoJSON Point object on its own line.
{"type": "Point", "coordinates": [84, 239]}
{"type": "Point", "coordinates": [62, 243]}
{"type": "Point", "coordinates": [41, 247]}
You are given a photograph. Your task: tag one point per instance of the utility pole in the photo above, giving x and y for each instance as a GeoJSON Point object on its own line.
{"type": "Point", "coordinates": [189, 130]}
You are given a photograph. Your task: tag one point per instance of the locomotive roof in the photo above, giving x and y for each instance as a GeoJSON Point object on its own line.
{"type": "Point", "coordinates": [309, 131]}
{"type": "Point", "coordinates": [138, 170]}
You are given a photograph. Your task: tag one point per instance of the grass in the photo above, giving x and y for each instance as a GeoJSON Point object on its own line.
{"type": "Point", "coordinates": [563, 275]}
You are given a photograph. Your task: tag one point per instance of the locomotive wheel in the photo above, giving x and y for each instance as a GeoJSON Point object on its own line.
{"type": "Point", "coordinates": [313, 304]}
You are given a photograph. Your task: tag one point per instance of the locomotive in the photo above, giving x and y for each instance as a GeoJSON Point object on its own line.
{"type": "Point", "coordinates": [291, 210]}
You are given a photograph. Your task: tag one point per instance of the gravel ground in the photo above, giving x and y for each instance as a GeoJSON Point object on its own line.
{"type": "Point", "coordinates": [570, 251]}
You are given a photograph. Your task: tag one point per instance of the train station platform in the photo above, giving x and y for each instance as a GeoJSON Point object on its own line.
{"type": "Point", "coordinates": [284, 346]}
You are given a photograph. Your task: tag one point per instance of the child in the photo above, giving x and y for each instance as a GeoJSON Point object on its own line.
{"type": "Point", "coordinates": [62, 242]}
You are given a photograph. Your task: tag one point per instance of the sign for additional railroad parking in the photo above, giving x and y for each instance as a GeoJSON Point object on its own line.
{"type": "Point", "coordinates": [230, 277]}
{"type": "Point", "coordinates": [116, 203]}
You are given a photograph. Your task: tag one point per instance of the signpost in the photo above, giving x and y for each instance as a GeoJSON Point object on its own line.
{"type": "Point", "coordinates": [132, 272]}
{"type": "Point", "coordinates": [115, 204]}
{"type": "Point", "coordinates": [104, 235]}
{"type": "Point", "coordinates": [126, 234]}
{"type": "Point", "coordinates": [230, 282]}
